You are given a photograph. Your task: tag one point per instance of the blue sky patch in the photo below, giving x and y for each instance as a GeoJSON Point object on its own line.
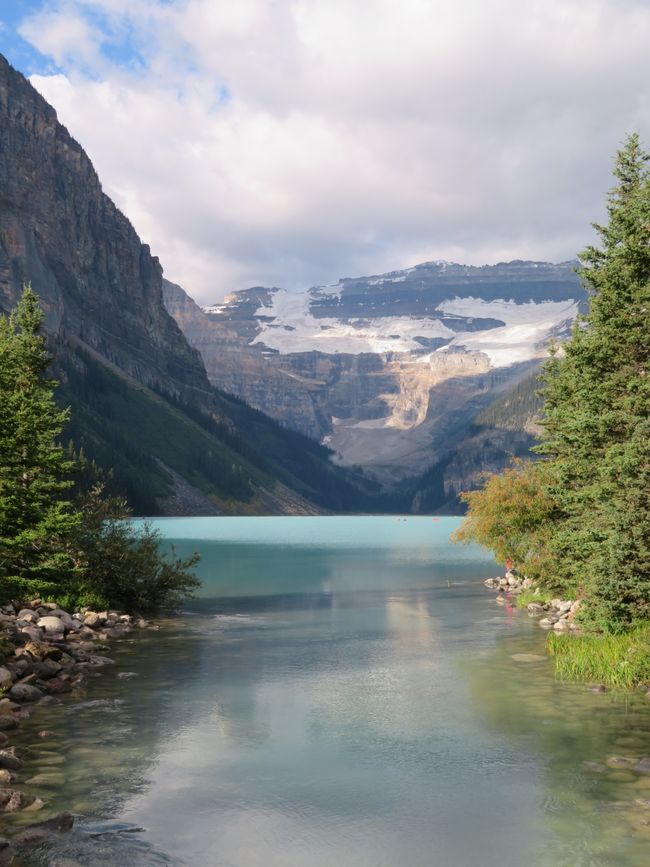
{"type": "Point", "coordinates": [17, 50]}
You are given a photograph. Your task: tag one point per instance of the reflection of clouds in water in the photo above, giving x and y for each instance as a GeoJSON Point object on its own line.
{"type": "Point", "coordinates": [344, 738]}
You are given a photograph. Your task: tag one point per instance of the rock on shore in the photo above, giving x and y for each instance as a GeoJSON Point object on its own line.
{"type": "Point", "coordinates": [558, 614]}
{"type": "Point", "coordinates": [45, 651]}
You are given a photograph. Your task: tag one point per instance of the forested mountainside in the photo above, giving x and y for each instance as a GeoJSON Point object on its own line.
{"type": "Point", "coordinates": [142, 405]}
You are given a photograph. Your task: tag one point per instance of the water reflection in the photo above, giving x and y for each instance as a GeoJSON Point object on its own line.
{"type": "Point", "coordinates": [345, 705]}
{"type": "Point", "coordinates": [597, 814]}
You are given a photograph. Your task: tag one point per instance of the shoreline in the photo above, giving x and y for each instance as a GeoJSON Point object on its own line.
{"type": "Point", "coordinates": [559, 614]}
{"type": "Point", "coordinates": [45, 652]}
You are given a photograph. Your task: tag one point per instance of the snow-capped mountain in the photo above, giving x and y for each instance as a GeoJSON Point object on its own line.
{"type": "Point", "coordinates": [388, 370]}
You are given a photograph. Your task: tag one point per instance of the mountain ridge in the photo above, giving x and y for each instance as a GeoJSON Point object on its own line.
{"type": "Point", "coordinates": [142, 405]}
{"type": "Point", "coordinates": [389, 371]}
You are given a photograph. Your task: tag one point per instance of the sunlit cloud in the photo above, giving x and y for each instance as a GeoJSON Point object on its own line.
{"type": "Point", "coordinates": [295, 142]}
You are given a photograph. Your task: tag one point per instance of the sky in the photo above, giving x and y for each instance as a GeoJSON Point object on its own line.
{"type": "Point", "coordinates": [293, 142]}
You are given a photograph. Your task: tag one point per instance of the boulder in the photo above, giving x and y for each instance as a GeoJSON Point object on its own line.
{"type": "Point", "coordinates": [51, 625]}
{"type": "Point", "coordinates": [58, 685]}
{"type": "Point", "coordinates": [25, 692]}
{"type": "Point", "coordinates": [64, 617]}
{"type": "Point", "coordinates": [9, 761]}
{"type": "Point", "coordinates": [47, 669]}
{"type": "Point", "coordinates": [5, 678]}
{"type": "Point", "coordinates": [535, 609]}
{"type": "Point", "coordinates": [93, 620]}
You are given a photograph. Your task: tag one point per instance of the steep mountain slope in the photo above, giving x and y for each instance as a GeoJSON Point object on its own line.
{"type": "Point", "coordinates": [389, 371]}
{"type": "Point", "coordinates": [142, 403]}
{"type": "Point", "coordinates": [506, 429]}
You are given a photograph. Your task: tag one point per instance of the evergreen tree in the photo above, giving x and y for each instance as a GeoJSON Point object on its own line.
{"type": "Point", "coordinates": [590, 535]}
{"type": "Point", "coordinates": [36, 518]}
{"type": "Point", "coordinates": [597, 406]}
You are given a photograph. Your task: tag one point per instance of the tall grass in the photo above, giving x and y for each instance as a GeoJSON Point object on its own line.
{"type": "Point", "coordinates": [616, 660]}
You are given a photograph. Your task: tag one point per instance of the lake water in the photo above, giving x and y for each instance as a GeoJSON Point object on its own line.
{"type": "Point", "coordinates": [343, 693]}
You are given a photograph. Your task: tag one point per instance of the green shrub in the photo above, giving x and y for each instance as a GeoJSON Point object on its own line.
{"type": "Point", "coordinates": [123, 566]}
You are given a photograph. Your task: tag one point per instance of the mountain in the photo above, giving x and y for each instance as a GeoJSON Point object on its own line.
{"type": "Point", "coordinates": [391, 371]}
{"type": "Point", "coordinates": [141, 402]}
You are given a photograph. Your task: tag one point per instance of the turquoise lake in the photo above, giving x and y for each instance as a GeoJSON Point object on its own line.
{"type": "Point", "coordinates": [343, 692]}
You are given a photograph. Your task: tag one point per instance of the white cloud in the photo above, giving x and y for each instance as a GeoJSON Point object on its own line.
{"type": "Point", "coordinates": [297, 141]}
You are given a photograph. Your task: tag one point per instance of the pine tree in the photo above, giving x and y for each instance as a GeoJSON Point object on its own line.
{"type": "Point", "coordinates": [36, 519]}
{"type": "Point", "coordinates": [589, 532]}
{"type": "Point", "coordinates": [597, 408]}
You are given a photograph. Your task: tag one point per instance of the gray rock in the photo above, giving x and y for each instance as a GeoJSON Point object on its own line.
{"type": "Point", "coordinates": [7, 722]}
{"type": "Point", "coordinates": [27, 614]}
{"type": "Point", "coordinates": [38, 833]}
{"type": "Point", "coordinates": [47, 669]}
{"type": "Point", "coordinates": [547, 622]}
{"type": "Point", "coordinates": [9, 761]}
{"type": "Point", "coordinates": [643, 766]}
{"type": "Point", "coordinates": [5, 678]}
{"type": "Point", "coordinates": [535, 609]}
{"type": "Point", "coordinates": [24, 692]}
{"type": "Point", "coordinates": [51, 625]}
{"type": "Point", "coordinates": [98, 661]}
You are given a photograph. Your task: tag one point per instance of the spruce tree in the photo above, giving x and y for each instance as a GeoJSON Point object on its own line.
{"type": "Point", "coordinates": [36, 518]}
{"type": "Point", "coordinates": [596, 413]}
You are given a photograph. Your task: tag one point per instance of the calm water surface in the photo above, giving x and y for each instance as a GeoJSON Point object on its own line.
{"type": "Point", "coordinates": [343, 693]}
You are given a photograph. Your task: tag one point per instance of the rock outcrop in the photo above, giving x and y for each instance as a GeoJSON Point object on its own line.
{"type": "Point", "coordinates": [142, 404]}
{"type": "Point", "coordinates": [389, 371]}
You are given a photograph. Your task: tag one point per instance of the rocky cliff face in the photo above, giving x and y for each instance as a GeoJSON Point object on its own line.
{"type": "Point", "coordinates": [98, 283]}
{"type": "Point", "coordinates": [390, 370]}
{"type": "Point", "coordinates": [142, 404]}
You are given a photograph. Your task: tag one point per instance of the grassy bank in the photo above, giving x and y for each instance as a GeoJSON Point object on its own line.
{"type": "Point", "coordinates": [615, 660]}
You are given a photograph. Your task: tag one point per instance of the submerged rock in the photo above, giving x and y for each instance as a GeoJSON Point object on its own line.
{"type": "Point", "coordinates": [619, 762]}
{"type": "Point", "coordinates": [528, 657]}
{"type": "Point", "coordinates": [40, 832]}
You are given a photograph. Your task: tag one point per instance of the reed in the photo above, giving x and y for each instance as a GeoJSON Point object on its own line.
{"type": "Point", "coordinates": [619, 660]}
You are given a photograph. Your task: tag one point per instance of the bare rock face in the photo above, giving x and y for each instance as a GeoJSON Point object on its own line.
{"type": "Point", "coordinates": [388, 371]}
{"type": "Point", "coordinates": [99, 285]}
